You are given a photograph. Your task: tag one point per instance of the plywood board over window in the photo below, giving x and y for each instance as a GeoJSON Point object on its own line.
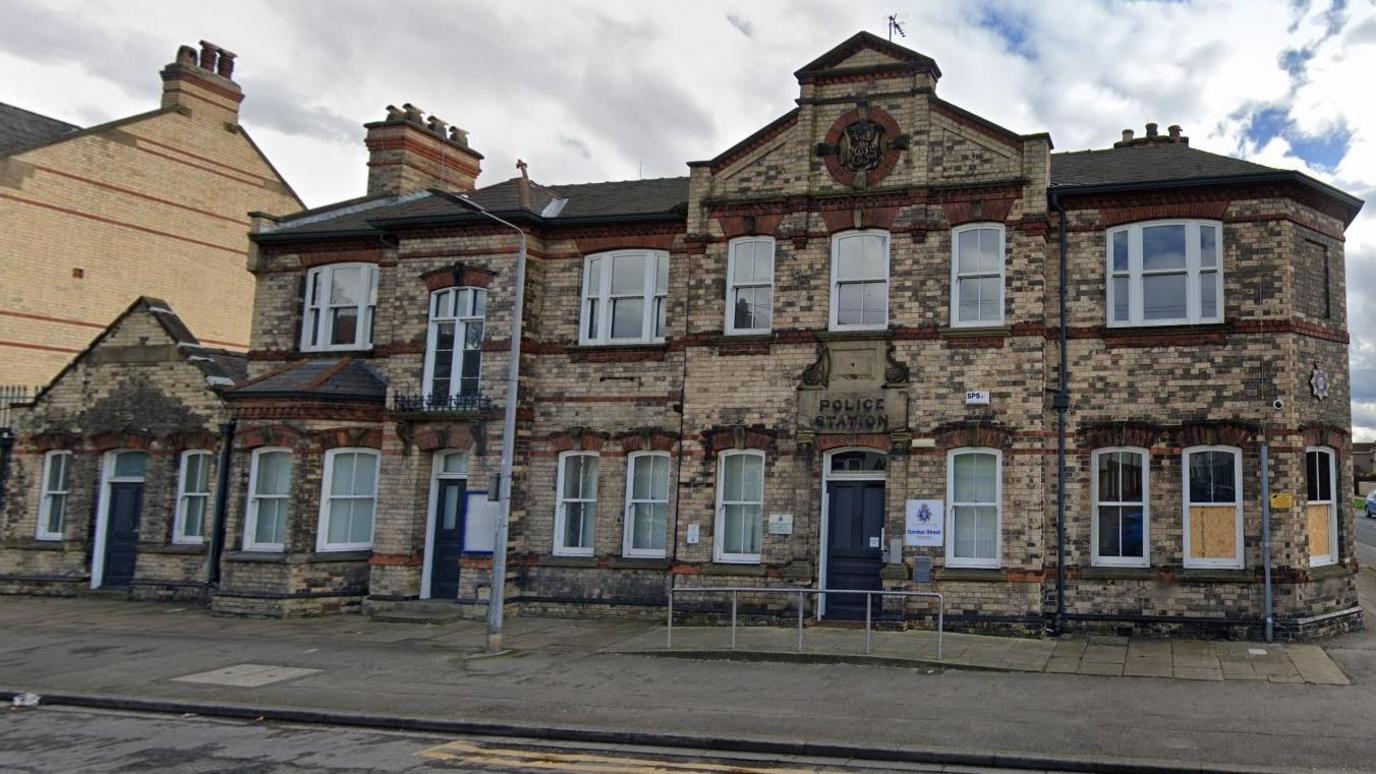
{"type": "Point", "coordinates": [1319, 537]}
{"type": "Point", "coordinates": [1213, 534]}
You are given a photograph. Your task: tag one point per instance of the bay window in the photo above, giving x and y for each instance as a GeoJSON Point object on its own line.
{"type": "Point", "coordinates": [625, 294]}
{"type": "Point", "coordinates": [977, 275]}
{"type": "Point", "coordinates": [340, 300]}
{"type": "Point", "coordinates": [1213, 507]}
{"type": "Point", "coordinates": [647, 504]}
{"type": "Point", "coordinates": [750, 285]}
{"type": "Point", "coordinates": [860, 280]}
{"type": "Point", "coordinates": [740, 506]}
{"type": "Point", "coordinates": [1120, 521]}
{"type": "Point", "coordinates": [1165, 273]}
{"type": "Point", "coordinates": [348, 500]}
{"type": "Point", "coordinates": [453, 349]}
{"type": "Point", "coordinates": [974, 490]}
{"type": "Point", "coordinates": [575, 513]}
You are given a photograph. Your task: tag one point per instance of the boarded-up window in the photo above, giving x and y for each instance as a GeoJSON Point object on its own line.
{"type": "Point", "coordinates": [1321, 510]}
{"type": "Point", "coordinates": [1213, 508]}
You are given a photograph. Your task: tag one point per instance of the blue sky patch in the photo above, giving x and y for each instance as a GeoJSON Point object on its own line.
{"type": "Point", "coordinates": [1010, 27]}
{"type": "Point", "coordinates": [1324, 150]}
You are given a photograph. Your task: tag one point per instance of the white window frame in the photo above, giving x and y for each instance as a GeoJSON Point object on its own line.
{"type": "Point", "coordinates": [1134, 274]}
{"type": "Point", "coordinates": [559, 501]}
{"type": "Point", "coordinates": [719, 552]}
{"type": "Point", "coordinates": [732, 286]}
{"type": "Point", "coordinates": [1332, 556]}
{"type": "Point", "coordinates": [628, 539]}
{"type": "Point", "coordinates": [179, 535]}
{"type": "Point", "coordinates": [956, 276]}
{"type": "Point", "coordinates": [973, 562]}
{"type": "Point", "coordinates": [836, 240]}
{"type": "Point", "coordinates": [1237, 561]}
{"type": "Point", "coordinates": [251, 511]}
{"type": "Point", "coordinates": [319, 281]}
{"type": "Point", "coordinates": [651, 298]}
{"type": "Point", "coordinates": [322, 543]}
{"type": "Point", "coordinates": [461, 323]}
{"type": "Point", "coordinates": [1120, 561]}
{"type": "Point", "coordinates": [45, 496]}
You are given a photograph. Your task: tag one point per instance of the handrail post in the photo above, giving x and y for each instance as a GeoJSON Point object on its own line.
{"type": "Point", "coordinates": [800, 621]}
{"type": "Point", "coordinates": [868, 598]}
{"type": "Point", "coordinates": [733, 619]}
{"type": "Point", "coordinates": [669, 630]}
{"type": "Point", "coordinates": [940, 623]}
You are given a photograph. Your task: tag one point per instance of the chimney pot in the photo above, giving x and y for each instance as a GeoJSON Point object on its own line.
{"type": "Point", "coordinates": [208, 51]}
{"type": "Point", "coordinates": [1127, 135]}
{"type": "Point", "coordinates": [186, 55]}
{"type": "Point", "coordinates": [1151, 130]}
{"type": "Point", "coordinates": [458, 136]}
{"type": "Point", "coordinates": [437, 125]}
{"type": "Point", "coordinates": [394, 113]}
{"type": "Point", "coordinates": [225, 68]}
{"type": "Point", "coordinates": [1174, 130]}
{"type": "Point", "coordinates": [413, 113]}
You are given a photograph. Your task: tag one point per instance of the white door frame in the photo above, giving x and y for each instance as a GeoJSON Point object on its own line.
{"type": "Point", "coordinates": [107, 477]}
{"type": "Point", "coordinates": [436, 475]}
{"type": "Point", "coordinates": [827, 478]}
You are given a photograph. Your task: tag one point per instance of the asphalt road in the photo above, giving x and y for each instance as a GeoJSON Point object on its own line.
{"type": "Point", "coordinates": [1366, 539]}
{"type": "Point", "coordinates": [50, 739]}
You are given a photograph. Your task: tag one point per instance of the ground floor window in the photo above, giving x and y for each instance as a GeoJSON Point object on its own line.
{"type": "Point", "coordinates": [1213, 507]}
{"type": "Point", "coordinates": [193, 497]}
{"type": "Point", "coordinates": [576, 512]}
{"type": "Point", "coordinates": [740, 506]}
{"type": "Point", "coordinates": [269, 486]}
{"type": "Point", "coordinates": [974, 491]}
{"type": "Point", "coordinates": [348, 500]}
{"type": "Point", "coordinates": [1321, 505]}
{"type": "Point", "coordinates": [1120, 520]}
{"type": "Point", "coordinates": [647, 504]}
{"type": "Point", "coordinates": [52, 508]}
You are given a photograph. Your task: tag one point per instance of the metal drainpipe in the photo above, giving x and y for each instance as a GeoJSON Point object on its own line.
{"type": "Point", "coordinates": [1266, 532]}
{"type": "Point", "coordinates": [217, 538]}
{"type": "Point", "coordinates": [1061, 403]}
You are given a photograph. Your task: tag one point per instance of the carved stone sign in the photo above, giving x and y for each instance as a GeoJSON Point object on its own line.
{"type": "Point", "coordinates": [836, 412]}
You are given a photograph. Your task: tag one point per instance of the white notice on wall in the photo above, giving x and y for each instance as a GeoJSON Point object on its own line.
{"type": "Point", "coordinates": [781, 524]}
{"type": "Point", "coordinates": [694, 534]}
{"type": "Point", "coordinates": [480, 522]}
{"type": "Point", "coordinates": [977, 398]}
{"type": "Point", "coordinates": [925, 523]}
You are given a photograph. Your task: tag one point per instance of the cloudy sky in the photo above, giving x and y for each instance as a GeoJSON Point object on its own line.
{"type": "Point", "coordinates": [620, 89]}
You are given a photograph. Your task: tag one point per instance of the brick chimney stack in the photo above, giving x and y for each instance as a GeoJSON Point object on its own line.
{"type": "Point", "coordinates": [408, 152]}
{"type": "Point", "coordinates": [202, 83]}
{"type": "Point", "coordinates": [1153, 137]}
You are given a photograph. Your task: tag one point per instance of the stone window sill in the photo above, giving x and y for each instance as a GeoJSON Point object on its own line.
{"type": "Point", "coordinates": [588, 562]}
{"type": "Point", "coordinates": [187, 549]}
{"type": "Point", "coordinates": [33, 544]}
{"type": "Point", "coordinates": [882, 334]}
{"type": "Point", "coordinates": [269, 557]}
{"type": "Point", "coordinates": [973, 332]}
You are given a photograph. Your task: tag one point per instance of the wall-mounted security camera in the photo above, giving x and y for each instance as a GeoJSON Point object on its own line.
{"type": "Point", "coordinates": [1278, 404]}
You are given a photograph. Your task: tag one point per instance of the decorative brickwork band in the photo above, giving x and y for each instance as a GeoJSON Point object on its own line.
{"type": "Point", "coordinates": [346, 437]}
{"type": "Point", "coordinates": [720, 439]}
{"type": "Point", "coordinates": [598, 244]}
{"type": "Point", "coordinates": [1143, 435]}
{"type": "Point", "coordinates": [733, 226]}
{"type": "Point", "coordinates": [458, 275]}
{"type": "Point", "coordinates": [976, 211]}
{"type": "Point", "coordinates": [577, 439]}
{"type": "Point", "coordinates": [125, 440]}
{"type": "Point", "coordinates": [648, 439]}
{"type": "Point", "coordinates": [877, 441]}
{"type": "Point", "coordinates": [1217, 433]}
{"type": "Point", "coordinates": [1207, 210]}
{"type": "Point", "coordinates": [971, 434]}
{"type": "Point", "coordinates": [191, 439]}
{"type": "Point", "coordinates": [1326, 435]}
{"type": "Point", "coordinates": [859, 217]}
{"type": "Point", "coordinates": [435, 437]}
{"type": "Point", "coordinates": [266, 435]}
{"type": "Point", "coordinates": [52, 439]}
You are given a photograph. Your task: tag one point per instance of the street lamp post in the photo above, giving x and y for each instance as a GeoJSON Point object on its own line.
{"type": "Point", "coordinates": [513, 373]}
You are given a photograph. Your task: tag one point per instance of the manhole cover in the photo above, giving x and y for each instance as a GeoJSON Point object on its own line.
{"type": "Point", "coordinates": [247, 675]}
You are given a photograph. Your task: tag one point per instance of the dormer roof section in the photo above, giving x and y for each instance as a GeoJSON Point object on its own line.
{"type": "Point", "coordinates": [865, 53]}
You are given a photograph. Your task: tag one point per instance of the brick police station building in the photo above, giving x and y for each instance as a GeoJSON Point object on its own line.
{"type": "Point", "coordinates": [828, 357]}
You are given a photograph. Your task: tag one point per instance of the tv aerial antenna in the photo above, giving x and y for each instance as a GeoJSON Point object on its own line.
{"type": "Point", "coordinates": [896, 25]}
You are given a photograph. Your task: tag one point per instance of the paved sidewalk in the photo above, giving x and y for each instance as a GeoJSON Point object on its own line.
{"type": "Point", "coordinates": [578, 676]}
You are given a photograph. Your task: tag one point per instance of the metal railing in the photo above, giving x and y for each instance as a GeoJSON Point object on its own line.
{"type": "Point", "coordinates": [735, 591]}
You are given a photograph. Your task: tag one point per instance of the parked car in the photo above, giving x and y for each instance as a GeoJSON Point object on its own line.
{"type": "Point", "coordinates": [1371, 505]}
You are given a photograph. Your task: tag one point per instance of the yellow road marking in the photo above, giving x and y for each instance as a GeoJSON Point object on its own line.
{"type": "Point", "coordinates": [468, 752]}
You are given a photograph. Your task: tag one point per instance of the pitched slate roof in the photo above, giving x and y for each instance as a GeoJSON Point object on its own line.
{"type": "Point", "coordinates": [20, 128]}
{"type": "Point", "coordinates": [1141, 164]}
{"type": "Point", "coordinates": [329, 379]}
{"type": "Point", "coordinates": [659, 197]}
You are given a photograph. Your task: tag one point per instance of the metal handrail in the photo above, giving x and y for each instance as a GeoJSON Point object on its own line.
{"type": "Point", "coordinates": [802, 592]}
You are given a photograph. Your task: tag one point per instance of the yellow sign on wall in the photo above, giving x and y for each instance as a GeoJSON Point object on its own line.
{"type": "Point", "coordinates": [1281, 500]}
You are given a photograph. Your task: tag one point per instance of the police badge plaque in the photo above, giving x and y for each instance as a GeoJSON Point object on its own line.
{"type": "Point", "coordinates": [862, 146]}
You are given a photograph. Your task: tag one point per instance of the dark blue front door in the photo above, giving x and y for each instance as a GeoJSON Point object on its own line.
{"type": "Point", "coordinates": [122, 534]}
{"type": "Point", "coordinates": [855, 514]}
{"type": "Point", "coordinates": [444, 560]}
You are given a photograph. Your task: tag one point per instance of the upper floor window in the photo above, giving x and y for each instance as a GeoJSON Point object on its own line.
{"type": "Point", "coordinates": [750, 285]}
{"type": "Point", "coordinates": [1321, 505]}
{"type": "Point", "coordinates": [193, 497]}
{"type": "Point", "coordinates": [647, 504]}
{"type": "Point", "coordinates": [1165, 273]}
{"type": "Point", "coordinates": [740, 506]}
{"type": "Point", "coordinates": [1120, 521]}
{"type": "Point", "coordinates": [624, 297]}
{"type": "Point", "coordinates": [453, 351]}
{"type": "Point", "coordinates": [575, 515]}
{"type": "Point", "coordinates": [1213, 507]}
{"type": "Point", "coordinates": [57, 482]}
{"type": "Point", "coordinates": [339, 304]}
{"type": "Point", "coordinates": [977, 269]}
{"type": "Point", "coordinates": [860, 280]}
{"type": "Point", "coordinates": [974, 489]}
{"type": "Point", "coordinates": [348, 499]}
{"type": "Point", "coordinates": [269, 487]}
